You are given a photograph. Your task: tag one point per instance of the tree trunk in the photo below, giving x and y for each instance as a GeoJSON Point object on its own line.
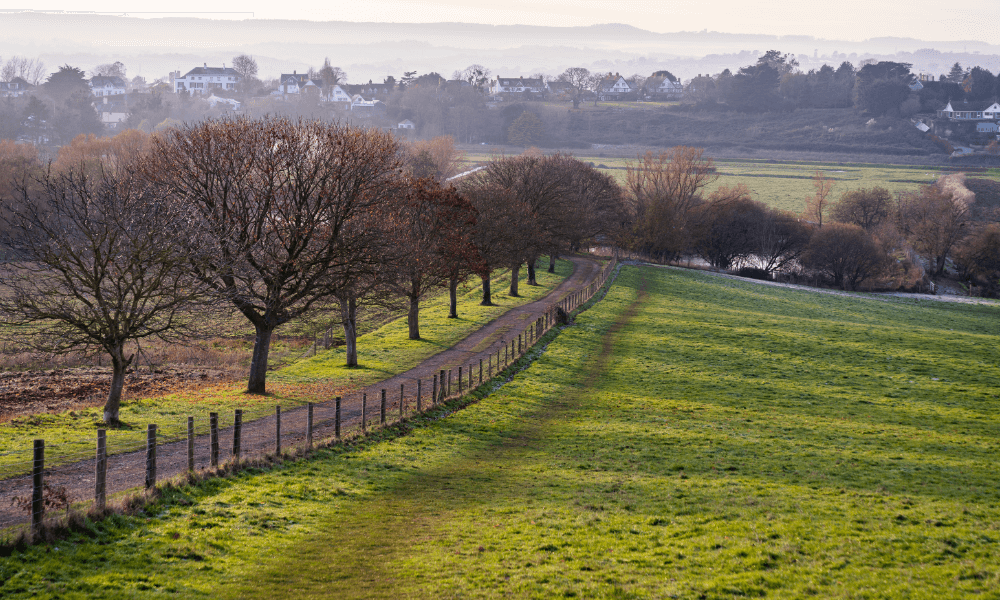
{"type": "Point", "coordinates": [487, 294]}
{"type": "Point", "coordinates": [531, 272]}
{"type": "Point", "coordinates": [552, 262]}
{"type": "Point", "coordinates": [576, 102]}
{"type": "Point", "coordinates": [413, 316]}
{"type": "Point", "coordinates": [515, 272]}
{"type": "Point", "coordinates": [453, 297]}
{"type": "Point", "coordinates": [348, 318]}
{"type": "Point", "coordinates": [258, 363]}
{"type": "Point", "coordinates": [118, 366]}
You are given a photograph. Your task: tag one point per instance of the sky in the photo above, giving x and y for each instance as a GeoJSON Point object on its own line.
{"type": "Point", "coordinates": [841, 19]}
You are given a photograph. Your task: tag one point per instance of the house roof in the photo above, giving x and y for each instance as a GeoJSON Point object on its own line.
{"type": "Point", "coordinates": [107, 80]}
{"type": "Point", "coordinates": [207, 70]}
{"type": "Point", "coordinates": [521, 82]}
{"type": "Point", "coordinates": [969, 106]}
{"type": "Point", "coordinates": [609, 82]}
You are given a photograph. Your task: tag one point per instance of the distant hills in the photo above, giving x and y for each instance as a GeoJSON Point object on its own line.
{"type": "Point", "coordinates": [153, 47]}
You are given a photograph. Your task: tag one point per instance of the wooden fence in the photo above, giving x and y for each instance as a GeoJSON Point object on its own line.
{"type": "Point", "coordinates": [73, 480]}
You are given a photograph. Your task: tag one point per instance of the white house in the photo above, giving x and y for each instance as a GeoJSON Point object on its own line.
{"type": "Point", "coordinates": [613, 88]}
{"type": "Point", "coordinates": [103, 85]}
{"type": "Point", "coordinates": [670, 89]}
{"type": "Point", "coordinates": [406, 124]}
{"type": "Point", "coordinates": [518, 85]}
{"type": "Point", "coordinates": [112, 114]}
{"type": "Point", "coordinates": [337, 94]}
{"type": "Point", "coordinates": [206, 79]}
{"type": "Point", "coordinates": [15, 88]}
{"type": "Point", "coordinates": [970, 111]}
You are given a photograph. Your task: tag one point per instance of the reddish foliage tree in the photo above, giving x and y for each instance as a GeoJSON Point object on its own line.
{"type": "Point", "coordinates": [431, 231]}
{"type": "Point", "coordinates": [275, 199]}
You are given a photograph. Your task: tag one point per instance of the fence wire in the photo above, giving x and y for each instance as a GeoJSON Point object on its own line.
{"type": "Point", "coordinates": [42, 483]}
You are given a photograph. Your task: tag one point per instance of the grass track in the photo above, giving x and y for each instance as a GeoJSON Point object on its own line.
{"type": "Point", "coordinates": [725, 440]}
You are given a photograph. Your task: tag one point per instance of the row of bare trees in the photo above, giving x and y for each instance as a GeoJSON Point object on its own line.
{"type": "Point", "coordinates": [274, 220]}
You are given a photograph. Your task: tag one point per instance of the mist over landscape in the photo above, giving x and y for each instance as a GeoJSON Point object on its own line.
{"type": "Point", "coordinates": [154, 47]}
{"type": "Point", "coordinates": [453, 299]}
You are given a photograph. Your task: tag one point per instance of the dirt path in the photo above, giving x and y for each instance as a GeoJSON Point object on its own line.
{"type": "Point", "coordinates": [126, 470]}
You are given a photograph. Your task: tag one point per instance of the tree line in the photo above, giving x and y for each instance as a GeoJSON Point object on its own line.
{"type": "Point", "coordinates": [866, 237]}
{"type": "Point", "coordinates": [149, 236]}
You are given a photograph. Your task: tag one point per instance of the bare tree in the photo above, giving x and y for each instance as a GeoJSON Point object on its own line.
{"type": "Point", "coordinates": [500, 216]}
{"type": "Point", "coordinates": [428, 232]}
{"type": "Point", "coordinates": [275, 198]}
{"type": "Point", "coordinates": [933, 221]}
{"type": "Point", "coordinates": [581, 80]}
{"type": "Point", "coordinates": [32, 70]}
{"type": "Point", "coordinates": [818, 203]}
{"type": "Point", "coordinates": [478, 76]}
{"type": "Point", "coordinates": [847, 254]}
{"type": "Point", "coordinates": [331, 75]}
{"type": "Point", "coordinates": [115, 69]}
{"type": "Point", "coordinates": [866, 208]}
{"type": "Point", "coordinates": [97, 263]}
{"type": "Point", "coordinates": [723, 229]}
{"type": "Point", "coordinates": [661, 191]}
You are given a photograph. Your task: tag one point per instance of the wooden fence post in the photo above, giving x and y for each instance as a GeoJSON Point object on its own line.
{"type": "Point", "coordinates": [489, 365]}
{"type": "Point", "coordinates": [277, 430]}
{"type": "Point", "coordinates": [520, 349]}
{"type": "Point", "coordinates": [37, 501]}
{"type": "Point", "coordinates": [382, 410]}
{"type": "Point", "coordinates": [441, 379]}
{"type": "Point", "coordinates": [238, 434]}
{"type": "Point", "coordinates": [434, 390]}
{"type": "Point", "coordinates": [419, 407]}
{"type": "Point", "coordinates": [101, 476]}
{"type": "Point", "coordinates": [336, 428]}
{"type": "Point", "coordinates": [364, 410]}
{"type": "Point", "coordinates": [470, 378]}
{"type": "Point", "coordinates": [401, 401]}
{"type": "Point", "coordinates": [150, 456]}
{"type": "Point", "coordinates": [213, 427]}
{"type": "Point", "coordinates": [309, 425]}
{"type": "Point", "coordinates": [449, 383]}
{"type": "Point", "coordinates": [190, 441]}
{"type": "Point", "coordinates": [480, 371]}
{"type": "Point", "coordinates": [460, 381]}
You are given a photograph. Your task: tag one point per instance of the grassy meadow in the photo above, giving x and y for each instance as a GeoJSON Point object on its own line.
{"type": "Point", "coordinates": [689, 437]}
{"type": "Point", "coordinates": [382, 353]}
{"type": "Point", "coordinates": [786, 185]}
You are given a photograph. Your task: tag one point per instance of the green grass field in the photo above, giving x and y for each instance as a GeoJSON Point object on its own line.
{"type": "Point", "coordinates": [690, 437]}
{"type": "Point", "coordinates": [786, 185]}
{"type": "Point", "coordinates": [381, 354]}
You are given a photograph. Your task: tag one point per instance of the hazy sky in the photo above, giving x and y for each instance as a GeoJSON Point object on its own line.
{"type": "Point", "coordinates": [840, 19]}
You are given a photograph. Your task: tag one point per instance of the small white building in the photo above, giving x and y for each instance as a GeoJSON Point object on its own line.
{"type": "Point", "coordinates": [103, 85]}
{"type": "Point", "coordinates": [15, 88]}
{"type": "Point", "coordinates": [672, 90]}
{"type": "Point", "coordinates": [206, 80]}
{"type": "Point", "coordinates": [987, 127]}
{"type": "Point", "coordinates": [613, 88]}
{"type": "Point", "coordinates": [406, 124]}
{"type": "Point", "coordinates": [337, 94]}
{"type": "Point", "coordinates": [518, 85]}
{"type": "Point", "coordinates": [970, 111]}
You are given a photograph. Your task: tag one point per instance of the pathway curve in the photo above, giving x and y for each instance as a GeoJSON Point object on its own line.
{"type": "Point", "coordinates": [127, 470]}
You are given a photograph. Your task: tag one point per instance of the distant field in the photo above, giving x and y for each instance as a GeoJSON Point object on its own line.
{"type": "Point", "coordinates": [786, 185]}
{"type": "Point", "coordinates": [689, 437]}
